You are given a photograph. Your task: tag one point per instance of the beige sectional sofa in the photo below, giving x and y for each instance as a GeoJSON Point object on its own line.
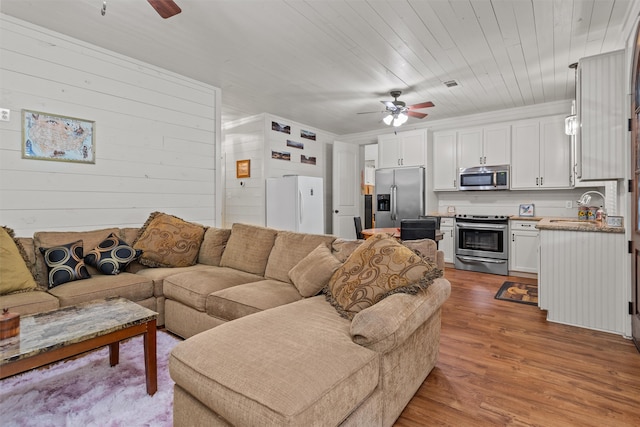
{"type": "Point", "coordinates": [263, 348]}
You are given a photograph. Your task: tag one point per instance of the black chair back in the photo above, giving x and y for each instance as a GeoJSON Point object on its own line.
{"type": "Point", "coordinates": [415, 229]}
{"type": "Point", "coordinates": [358, 223]}
{"type": "Point", "coordinates": [437, 218]}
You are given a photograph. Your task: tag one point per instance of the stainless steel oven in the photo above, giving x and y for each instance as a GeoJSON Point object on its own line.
{"type": "Point", "coordinates": [482, 243]}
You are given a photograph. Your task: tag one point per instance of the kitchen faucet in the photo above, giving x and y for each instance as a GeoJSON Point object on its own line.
{"type": "Point", "coordinates": [585, 199]}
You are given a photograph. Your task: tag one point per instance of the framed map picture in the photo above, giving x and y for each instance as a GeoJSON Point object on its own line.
{"type": "Point", "coordinates": [54, 137]}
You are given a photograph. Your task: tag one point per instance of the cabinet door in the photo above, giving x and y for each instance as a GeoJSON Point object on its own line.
{"type": "Point", "coordinates": [446, 244]}
{"type": "Point", "coordinates": [445, 172]}
{"type": "Point", "coordinates": [524, 251]}
{"type": "Point", "coordinates": [413, 148]}
{"type": "Point", "coordinates": [388, 151]}
{"type": "Point", "coordinates": [470, 148]}
{"type": "Point", "coordinates": [525, 159]}
{"type": "Point", "coordinates": [555, 154]}
{"type": "Point", "coordinates": [497, 145]}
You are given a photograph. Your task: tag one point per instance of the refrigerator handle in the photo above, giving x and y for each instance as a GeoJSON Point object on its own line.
{"type": "Point", "coordinates": [393, 202]}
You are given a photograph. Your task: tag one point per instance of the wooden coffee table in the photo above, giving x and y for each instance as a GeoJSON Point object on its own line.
{"type": "Point", "coordinates": [58, 334]}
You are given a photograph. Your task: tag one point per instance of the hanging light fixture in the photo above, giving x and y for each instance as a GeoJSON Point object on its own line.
{"type": "Point", "coordinates": [571, 121]}
{"type": "Point", "coordinates": [396, 119]}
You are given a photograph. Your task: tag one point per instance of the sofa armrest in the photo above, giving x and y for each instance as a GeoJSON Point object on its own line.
{"type": "Point", "coordinates": [387, 324]}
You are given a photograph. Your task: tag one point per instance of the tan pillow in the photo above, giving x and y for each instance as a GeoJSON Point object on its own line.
{"type": "Point", "coordinates": [212, 247]}
{"type": "Point", "coordinates": [168, 241]}
{"type": "Point", "coordinates": [313, 272]}
{"type": "Point", "coordinates": [248, 248]}
{"type": "Point", "coordinates": [288, 249]}
{"type": "Point", "coordinates": [376, 269]}
{"type": "Point", "coordinates": [15, 276]}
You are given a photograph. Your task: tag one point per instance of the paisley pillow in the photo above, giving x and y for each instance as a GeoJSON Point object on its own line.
{"type": "Point", "coordinates": [376, 269]}
{"type": "Point", "coordinates": [65, 263]}
{"type": "Point", "coordinates": [112, 255]}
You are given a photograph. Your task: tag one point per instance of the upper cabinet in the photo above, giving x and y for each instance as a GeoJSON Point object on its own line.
{"type": "Point", "coordinates": [445, 171]}
{"type": "Point", "coordinates": [490, 145]}
{"type": "Point", "coordinates": [541, 155]}
{"type": "Point", "coordinates": [600, 103]}
{"type": "Point", "coordinates": [402, 149]}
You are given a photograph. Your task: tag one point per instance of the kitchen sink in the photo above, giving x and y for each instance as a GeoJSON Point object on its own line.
{"type": "Point", "coordinates": [582, 223]}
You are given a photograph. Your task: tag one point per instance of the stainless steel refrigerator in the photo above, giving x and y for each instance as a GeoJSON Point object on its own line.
{"type": "Point", "coordinates": [399, 195]}
{"type": "Point", "coordinates": [295, 203]}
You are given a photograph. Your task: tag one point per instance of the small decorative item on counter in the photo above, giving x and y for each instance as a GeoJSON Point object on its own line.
{"type": "Point", "coordinates": [583, 213]}
{"type": "Point", "coordinates": [591, 214]}
{"type": "Point", "coordinates": [599, 214]}
{"type": "Point", "coordinates": [9, 324]}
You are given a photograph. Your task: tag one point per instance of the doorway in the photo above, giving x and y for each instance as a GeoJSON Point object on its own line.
{"type": "Point", "coordinates": [635, 167]}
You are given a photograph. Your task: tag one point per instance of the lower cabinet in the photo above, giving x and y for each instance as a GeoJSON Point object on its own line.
{"type": "Point", "coordinates": [447, 243]}
{"type": "Point", "coordinates": [523, 247]}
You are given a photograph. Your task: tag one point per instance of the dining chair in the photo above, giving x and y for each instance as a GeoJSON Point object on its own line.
{"type": "Point", "coordinates": [421, 228]}
{"type": "Point", "coordinates": [358, 223]}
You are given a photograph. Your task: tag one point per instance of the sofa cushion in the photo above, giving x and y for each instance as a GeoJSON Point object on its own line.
{"type": "Point", "coordinates": [288, 249]}
{"type": "Point", "coordinates": [342, 248]}
{"type": "Point", "coordinates": [30, 302]}
{"type": "Point", "coordinates": [15, 275]}
{"type": "Point", "coordinates": [293, 365]}
{"type": "Point", "coordinates": [158, 274]}
{"type": "Point", "coordinates": [378, 268]}
{"type": "Point", "coordinates": [48, 239]}
{"type": "Point", "coordinates": [213, 245]}
{"type": "Point", "coordinates": [65, 263]}
{"type": "Point", "coordinates": [169, 241]}
{"type": "Point", "coordinates": [112, 255]}
{"type": "Point", "coordinates": [242, 300]}
{"type": "Point", "coordinates": [192, 288]}
{"type": "Point", "coordinates": [126, 285]}
{"type": "Point", "coordinates": [313, 272]}
{"type": "Point", "coordinates": [248, 248]}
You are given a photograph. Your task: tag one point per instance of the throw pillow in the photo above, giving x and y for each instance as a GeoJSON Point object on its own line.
{"type": "Point", "coordinates": [15, 276]}
{"type": "Point", "coordinates": [65, 263]}
{"type": "Point", "coordinates": [168, 241]}
{"type": "Point", "coordinates": [376, 269]}
{"type": "Point", "coordinates": [248, 248]}
{"type": "Point", "coordinates": [313, 272]}
{"type": "Point", "coordinates": [112, 255]}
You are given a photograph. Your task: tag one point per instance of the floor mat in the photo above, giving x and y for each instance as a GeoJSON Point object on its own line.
{"type": "Point", "coordinates": [518, 292]}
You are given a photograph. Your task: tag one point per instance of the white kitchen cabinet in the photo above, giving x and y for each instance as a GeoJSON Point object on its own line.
{"type": "Point", "coordinates": [490, 145]}
{"type": "Point", "coordinates": [402, 149]}
{"type": "Point", "coordinates": [523, 247]}
{"type": "Point", "coordinates": [445, 171]}
{"type": "Point", "coordinates": [601, 102]}
{"type": "Point", "coordinates": [447, 243]}
{"type": "Point", "coordinates": [541, 155]}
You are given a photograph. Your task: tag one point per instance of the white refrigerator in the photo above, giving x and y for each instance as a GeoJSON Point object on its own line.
{"type": "Point", "coordinates": [296, 203]}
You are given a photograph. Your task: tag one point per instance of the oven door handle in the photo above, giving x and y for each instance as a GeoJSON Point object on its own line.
{"type": "Point", "coordinates": [482, 227]}
{"type": "Point", "coordinates": [477, 259]}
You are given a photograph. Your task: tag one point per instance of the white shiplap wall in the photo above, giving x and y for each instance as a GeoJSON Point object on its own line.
{"type": "Point", "coordinates": [157, 135]}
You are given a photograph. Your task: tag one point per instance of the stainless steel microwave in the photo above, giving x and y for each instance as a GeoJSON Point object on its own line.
{"type": "Point", "coordinates": [484, 178]}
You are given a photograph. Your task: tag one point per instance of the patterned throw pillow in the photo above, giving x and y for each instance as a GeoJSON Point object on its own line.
{"type": "Point", "coordinates": [112, 255]}
{"type": "Point", "coordinates": [65, 263]}
{"type": "Point", "coordinates": [376, 269]}
{"type": "Point", "coordinates": [168, 241]}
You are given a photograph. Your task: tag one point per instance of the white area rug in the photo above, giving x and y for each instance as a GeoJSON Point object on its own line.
{"type": "Point", "coordinates": [88, 392]}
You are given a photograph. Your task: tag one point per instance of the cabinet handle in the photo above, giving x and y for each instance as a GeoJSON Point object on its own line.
{"type": "Point", "coordinates": [484, 160]}
{"type": "Point", "coordinates": [480, 159]}
{"type": "Point", "coordinates": [536, 180]}
{"type": "Point", "coordinates": [398, 162]}
{"type": "Point", "coordinates": [541, 180]}
{"type": "Point", "coordinates": [451, 233]}
{"type": "Point", "coordinates": [513, 237]}
{"type": "Point", "coordinates": [454, 183]}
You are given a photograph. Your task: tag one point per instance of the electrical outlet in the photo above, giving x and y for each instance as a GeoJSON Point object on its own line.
{"type": "Point", "coordinates": [568, 204]}
{"type": "Point", "coordinates": [5, 114]}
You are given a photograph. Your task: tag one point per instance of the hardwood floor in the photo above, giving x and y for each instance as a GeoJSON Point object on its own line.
{"type": "Point", "coordinates": [501, 363]}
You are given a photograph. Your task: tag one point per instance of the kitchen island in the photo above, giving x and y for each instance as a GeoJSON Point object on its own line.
{"type": "Point", "coordinates": [582, 279]}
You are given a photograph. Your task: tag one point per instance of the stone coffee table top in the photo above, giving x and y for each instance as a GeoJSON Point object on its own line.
{"type": "Point", "coordinates": [50, 330]}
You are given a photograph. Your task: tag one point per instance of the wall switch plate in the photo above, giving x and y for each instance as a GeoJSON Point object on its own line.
{"type": "Point", "coordinates": [568, 204]}
{"type": "Point", "coordinates": [5, 114]}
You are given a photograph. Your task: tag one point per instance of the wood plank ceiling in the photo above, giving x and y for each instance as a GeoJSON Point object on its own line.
{"type": "Point", "coordinates": [320, 62]}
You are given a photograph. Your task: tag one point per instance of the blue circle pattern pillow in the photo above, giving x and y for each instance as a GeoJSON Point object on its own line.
{"type": "Point", "coordinates": [112, 255]}
{"type": "Point", "coordinates": [65, 263]}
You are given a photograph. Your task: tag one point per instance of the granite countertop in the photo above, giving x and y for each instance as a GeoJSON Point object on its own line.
{"type": "Point", "coordinates": [525, 218]}
{"type": "Point", "coordinates": [573, 224]}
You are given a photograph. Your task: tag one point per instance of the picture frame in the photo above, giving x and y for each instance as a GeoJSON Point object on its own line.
{"type": "Point", "coordinates": [615, 221]}
{"type": "Point", "coordinates": [47, 136]}
{"type": "Point", "coordinates": [243, 168]}
{"type": "Point", "coordinates": [526, 209]}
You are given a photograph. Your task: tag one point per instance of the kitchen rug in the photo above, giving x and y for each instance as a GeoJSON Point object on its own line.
{"type": "Point", "coordinates": [518, 292]}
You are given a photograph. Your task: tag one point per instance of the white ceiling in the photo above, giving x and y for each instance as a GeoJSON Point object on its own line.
{"type": "Point", "coordinates": [320, 62]}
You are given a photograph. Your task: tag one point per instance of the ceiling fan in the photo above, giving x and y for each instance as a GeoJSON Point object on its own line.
{"type": "Point", "coordinates": [165, 8]}
{"type": "Point", "coordinates": [399, 112]}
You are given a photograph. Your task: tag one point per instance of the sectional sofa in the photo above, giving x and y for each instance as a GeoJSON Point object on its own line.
{"type": "Point", "coordinates": [263, 344]}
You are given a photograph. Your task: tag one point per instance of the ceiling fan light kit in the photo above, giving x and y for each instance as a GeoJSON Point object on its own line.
{"type": "Point", "coordinates": [398, 112]}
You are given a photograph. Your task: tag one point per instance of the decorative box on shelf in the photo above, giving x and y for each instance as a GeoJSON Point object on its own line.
{"type": "Point", "coordinates": [9, 324]}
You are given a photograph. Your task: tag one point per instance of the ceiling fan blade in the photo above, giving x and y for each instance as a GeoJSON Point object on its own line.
{"type": "Point", "coordinates": [371, 112]}
{"type": "Point", "coordinates": [390, 105]}
{"type": "Point", "coordinates": [416, 114]}
{"type": "Point", "coordinates": [422, 105]}
{"type": "Point", "coordinates": [165, 8]}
